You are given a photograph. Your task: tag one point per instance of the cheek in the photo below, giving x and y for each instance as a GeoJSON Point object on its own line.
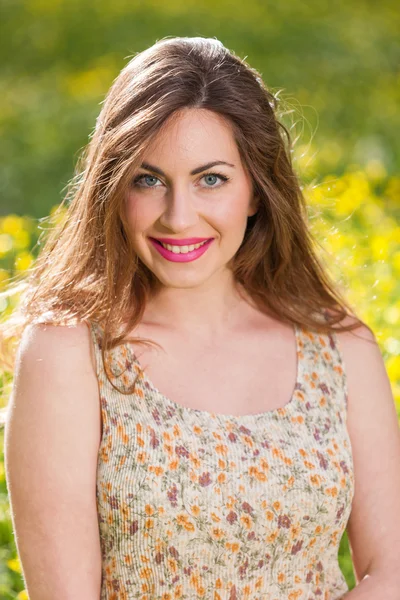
{"type": "Point", "coordinates": [232, 215]}
{"type": "Point", "coordinates": [139, 213]}
{"type": "Point", "coordinates": [232, 206]}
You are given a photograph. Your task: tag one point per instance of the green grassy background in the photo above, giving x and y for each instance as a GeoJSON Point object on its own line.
{"type": "Point", "coordinates": [336, 67]}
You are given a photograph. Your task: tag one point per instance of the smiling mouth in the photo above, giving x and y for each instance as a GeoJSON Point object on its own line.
{"type": "Point", "coordinates": [164, 244]}
{"type": "Point", "coordinates": [182, 253]}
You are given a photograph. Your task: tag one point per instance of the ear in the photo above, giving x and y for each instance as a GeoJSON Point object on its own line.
{"type": "Point", "coordinates": [253, 206]}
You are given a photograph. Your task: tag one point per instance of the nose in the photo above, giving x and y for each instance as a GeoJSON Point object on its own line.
{"type": "Point", "coordinates": [180, 212]}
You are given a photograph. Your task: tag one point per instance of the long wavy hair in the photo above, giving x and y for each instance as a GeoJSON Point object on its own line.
{"type": "Point", "coordinates": [87, 269]}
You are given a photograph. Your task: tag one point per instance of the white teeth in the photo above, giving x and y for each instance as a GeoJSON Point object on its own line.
{"type": "Point", "coordinates": [182, 249]}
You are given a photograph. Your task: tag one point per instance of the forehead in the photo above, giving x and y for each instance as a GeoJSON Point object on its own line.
{"type": "Point", "coordinates": [194, 135]}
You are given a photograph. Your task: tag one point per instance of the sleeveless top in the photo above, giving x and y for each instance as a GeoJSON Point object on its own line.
{"type": "Point", "coordinates": [193, 504]}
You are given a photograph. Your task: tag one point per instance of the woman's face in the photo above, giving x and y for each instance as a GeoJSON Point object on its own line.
{"type": "Point", "coordinates": [175, 195]}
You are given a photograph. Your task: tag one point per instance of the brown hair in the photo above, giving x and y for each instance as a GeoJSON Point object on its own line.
{"type": "Point", "coordinates": [87, 269]}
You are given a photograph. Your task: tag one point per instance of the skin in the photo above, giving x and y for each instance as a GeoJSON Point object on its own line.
{"type": "Point", "coordinates": [201, 296]}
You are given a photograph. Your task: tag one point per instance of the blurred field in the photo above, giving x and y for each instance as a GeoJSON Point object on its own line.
{"type": "Point", "coordinates": [337, 67]}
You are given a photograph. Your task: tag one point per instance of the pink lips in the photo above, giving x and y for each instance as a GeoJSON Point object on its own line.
{"type": "Point", "coordinates": [184, 242]}
{"type": "Point", "coordinates": [189, 256]}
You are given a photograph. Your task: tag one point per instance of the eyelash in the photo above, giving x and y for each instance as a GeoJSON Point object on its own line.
{"type": "Point", "coordinates": [142, 175]}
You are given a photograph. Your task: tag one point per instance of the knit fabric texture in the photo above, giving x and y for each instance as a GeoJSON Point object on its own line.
{"type": "Point", "coordinates": [193, 504]}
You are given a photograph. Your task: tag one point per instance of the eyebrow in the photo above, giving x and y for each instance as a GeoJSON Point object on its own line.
{"type": "Point", "coordinates": [149, 167]}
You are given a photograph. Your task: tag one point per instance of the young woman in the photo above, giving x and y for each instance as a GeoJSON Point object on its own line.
{"type": "Point", "coordinates": [192, 414]}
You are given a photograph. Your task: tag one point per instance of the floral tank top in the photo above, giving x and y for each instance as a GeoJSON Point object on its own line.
{"type": "Point", "coordinates": [193, 504]}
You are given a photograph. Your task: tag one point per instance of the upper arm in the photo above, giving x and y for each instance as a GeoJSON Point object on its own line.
{"type": "Point", "coordinates": [374, 524]}
{"type": "Point", "coordinates": [52, 436]}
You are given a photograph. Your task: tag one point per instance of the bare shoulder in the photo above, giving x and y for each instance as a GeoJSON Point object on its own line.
{"type": "Point", "coordinates": [55, 373]}
{"type": "Point", "coordinates": [361, 354]}
{"type": "Point", "coordinates": [363, 362]}
{"type": "Point", "coordinates": [58, 342]}
{"type": "Point", "coordinates": [357, 336]}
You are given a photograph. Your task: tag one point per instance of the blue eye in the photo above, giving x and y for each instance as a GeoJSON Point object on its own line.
{"type": "Point", "coordinates": [218, 175]}
{"type": "Point", "coordinates": [146, 176]}
{"type": "Point", "coordinates": [140, 177]}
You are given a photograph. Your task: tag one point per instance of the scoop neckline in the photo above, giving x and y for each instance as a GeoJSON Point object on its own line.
{"type": "Point", "coordinates": [274, 412]}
